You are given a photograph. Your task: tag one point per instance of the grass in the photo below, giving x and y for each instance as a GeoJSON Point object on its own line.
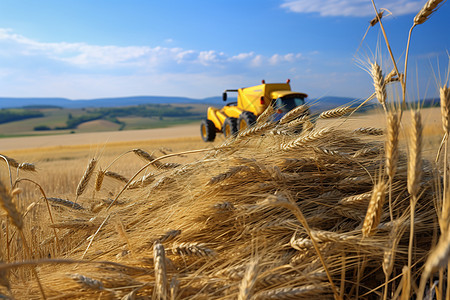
{"type": "Point", "coordinates": [268, 214]}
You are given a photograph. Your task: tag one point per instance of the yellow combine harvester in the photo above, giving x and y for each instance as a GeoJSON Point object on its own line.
{"type": "Point", "coordinates": [251, 103]}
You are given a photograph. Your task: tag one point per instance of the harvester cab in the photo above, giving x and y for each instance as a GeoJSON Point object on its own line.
{"type": "Point", "coordinates": [251, 103]}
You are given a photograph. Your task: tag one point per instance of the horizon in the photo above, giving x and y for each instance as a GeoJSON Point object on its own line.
{"type": "Point", "coordinates": [111, 49]}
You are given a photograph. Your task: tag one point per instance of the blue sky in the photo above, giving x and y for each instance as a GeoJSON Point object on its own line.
{"type": "Point", "coordinates": [81, 49]}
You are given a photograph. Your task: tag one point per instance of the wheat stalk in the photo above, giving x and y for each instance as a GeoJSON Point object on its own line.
{"type": "Point", "coordinates": [426, 11]}
{"type": "Point", "coordinates": [159, 257]}
{"type": "Point", "coordinates": [374, 210]}
{"type": "Point", "coordinates": [249, 280]}
{"type": "Point", "coordinates": [336, 112]}
{"type": "Point", "coordinates": [86, 177]}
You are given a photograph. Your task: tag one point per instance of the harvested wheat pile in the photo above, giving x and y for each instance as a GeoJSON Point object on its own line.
{"type": "Point", "coordinates": [268, 215]}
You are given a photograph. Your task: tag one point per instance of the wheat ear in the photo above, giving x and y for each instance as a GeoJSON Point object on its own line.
{"type": "Point", "coordinates": [391, 152]}
{"type": "Point", "coordinates": [445, 108]}
{"type": "Point", "coordinates": [426, 11]}
{"type": "Point", "coordinates": [6, 202]}
{"type": "Point", "coordinates": [248, 282]}
{"type": "Point", "coordinates": [414, 175]}
{"type": "Point", "coordinates": [369, 131]}
{"type": "Point", "coordinates": [265, 116]}
{"type": "Point", "coordinates": [294, 113]}
{"type": "Point", "coordinates": [99, 179]}
{"type": "Point", "coordinates": [86, 177]}
{"type": "Point", "coordinates": [116, 176]}
{"type": "Point", "coordinates": [159, 258]}
{"type": "Point", "coordinates": [374, 210]}
{"type": "Point", "coordinates": [379, 84]}
{"type": "Point", "coordinates": [336, 112]}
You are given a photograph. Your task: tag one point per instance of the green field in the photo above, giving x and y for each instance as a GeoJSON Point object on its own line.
{"type": "Point", "coordinates": [110, 119]}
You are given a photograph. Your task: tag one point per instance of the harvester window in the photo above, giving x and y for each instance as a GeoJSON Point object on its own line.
{"type": "Point", "coordinates": [287, 103]}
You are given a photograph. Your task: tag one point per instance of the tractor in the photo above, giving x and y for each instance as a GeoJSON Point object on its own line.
{"type": "Point", "coordinates": [251, 103]}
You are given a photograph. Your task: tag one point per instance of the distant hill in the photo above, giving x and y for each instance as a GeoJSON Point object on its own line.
{"type": "Point", "coordinates": [101, 102]}
{"type": "Point", "coordinates": [319, 104]}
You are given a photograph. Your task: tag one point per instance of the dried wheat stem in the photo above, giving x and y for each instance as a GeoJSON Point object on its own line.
{"type": "Point", "coordinates": [174, 288]}
{"type": "Point", "coordinates": [284, 202]}
{"type": "Point", "coordinates": [374, 210]}
{"type": "Point", "coordinates": [336, 112]}
{"type": "Point", "coordinates": [248, 282]}
{"type": "Point", "coordinates": [159, 258]}
{"type": "Point", "coordinates": [426, 11]}
{"type": "Point", "coordinates": [86, 177]}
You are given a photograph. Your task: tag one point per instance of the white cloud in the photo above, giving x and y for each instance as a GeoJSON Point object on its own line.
{"type": "Point", "coordinates": [74, 70]}
{"type": "Point", "coordinates": [81, 55]}
{"type": "Point", "coordinates": [352, 8]}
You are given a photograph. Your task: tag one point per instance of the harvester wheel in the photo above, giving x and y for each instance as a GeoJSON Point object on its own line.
{"type": "Point", "coordinates": [246, 119]}
{"type": "Point", "coordinates": [208, 130]}
{"type": "Point", "coordinates": [229, 127]}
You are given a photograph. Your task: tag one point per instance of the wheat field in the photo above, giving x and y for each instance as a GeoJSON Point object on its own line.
{"type": "Point", "coordinates": [328, 206]}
